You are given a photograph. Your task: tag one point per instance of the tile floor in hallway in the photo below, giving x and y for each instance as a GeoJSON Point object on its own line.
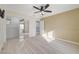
{"type": "Point", "coordinates": [38, 45]}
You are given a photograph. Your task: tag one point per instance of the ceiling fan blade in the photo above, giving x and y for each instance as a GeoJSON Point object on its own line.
{"type": "Point", "coordinates": [37, 11]}
{"type": "Point", "coordinates": [41, 8]}
{"type": "Point", "coordinates": [47, 11]}
{"type": "Point", "coordinates": [3, 14]}
{"type": "Point", "coordinates": [47, 5]}
{"type": "Point", "coordinates": [36, 7]}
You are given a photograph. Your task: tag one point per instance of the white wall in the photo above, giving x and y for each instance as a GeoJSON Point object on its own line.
{"type": "Point", "coordinates": [32, 28]}
{"type": "Point", "coordinates": [26, 26]}
{"type": "Point", "coordinates": [13, 28]}
{"type": "Point", "coordinates": [2, 32]}
{"type": "Point", "coordinates": [41, 26]}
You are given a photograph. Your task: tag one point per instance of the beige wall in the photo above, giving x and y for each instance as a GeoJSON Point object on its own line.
{"type": "Point", "coordinates": [65, 25]}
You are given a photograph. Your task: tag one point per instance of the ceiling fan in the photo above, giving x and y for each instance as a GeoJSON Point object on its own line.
{"type": "Point", "coordinates": [2, 13]}
{"type": "Point", "coordinates": [42, 9]}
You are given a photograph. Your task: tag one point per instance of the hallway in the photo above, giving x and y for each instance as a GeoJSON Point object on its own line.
{"type": "Point", "coordinates": [38, 45]}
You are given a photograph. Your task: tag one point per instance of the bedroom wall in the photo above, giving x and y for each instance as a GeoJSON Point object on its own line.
{"type": "Point", "coordinates": [65, 25]}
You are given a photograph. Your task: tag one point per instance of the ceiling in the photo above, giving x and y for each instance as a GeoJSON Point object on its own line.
{"type": "Point", "coordinates": [28, 10]}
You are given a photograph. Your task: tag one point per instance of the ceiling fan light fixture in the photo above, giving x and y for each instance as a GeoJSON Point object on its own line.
{"type": "Point", "coordinates": [42, 9]}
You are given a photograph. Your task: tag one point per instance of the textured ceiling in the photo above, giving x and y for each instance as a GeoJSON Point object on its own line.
{"type": "Point", "coordinates": [28, 10]}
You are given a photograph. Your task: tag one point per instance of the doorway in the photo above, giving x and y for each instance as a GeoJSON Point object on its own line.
{"type": "Point", "coordinates": [40, 27]}
{"type": "Point", "coordinates": [37, 27]}
{"type": "Point", "coordinates": [21, 29]}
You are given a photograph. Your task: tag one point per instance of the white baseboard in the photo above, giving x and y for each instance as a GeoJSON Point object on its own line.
{"type": "Point", "coordinates": [72, 42]}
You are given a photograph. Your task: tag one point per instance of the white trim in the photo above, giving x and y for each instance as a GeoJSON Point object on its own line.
{"type": "Point", "coordinates": [72, 42]}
